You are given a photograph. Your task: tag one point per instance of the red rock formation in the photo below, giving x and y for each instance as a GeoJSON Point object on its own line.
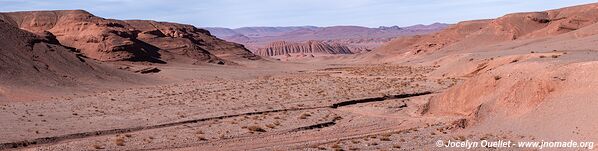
{"type": "Point", "coordinates": [27, 59]}
{"type": "Point", "coordinates": [470, 34]}
{"type": "Point", "coordinates": [134, 40]}
{"type": "Point", "coordinates": [358, 39]}
{"type": "Point", "coordinates": [284, 48]}
{"type": "Point", "coordinates": [433, 42]}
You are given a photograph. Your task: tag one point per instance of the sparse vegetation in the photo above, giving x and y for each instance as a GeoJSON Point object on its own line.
{"type": "Point", "coordinates": [201, 138]}
{"type": "Point", "coordinates": [256, 129]}
{"type": "Point", "coordinates": [396, 146]}
{"type": "Point", "coordinates": [335, 146]}
{"type": "Point", "coordinates": [385, 138]}
{"type": "Point", "coordinates": [486, 137]}
{"type": "Point", "coordinates": [97, 146]}
{"type": "Point", "coordinates": [460, 138]}
{"type": "Point", "coordinates": [254, 104]}
{"type": "Point", "coordinates": [304, 116]}
{"type": "Point", "coordinates": [497, 77]}
{"type": "Point", "coordinates": [120, 141]}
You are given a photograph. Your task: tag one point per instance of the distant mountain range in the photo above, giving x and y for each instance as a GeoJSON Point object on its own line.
{"type": "Point", "coordinates": [357, 39]}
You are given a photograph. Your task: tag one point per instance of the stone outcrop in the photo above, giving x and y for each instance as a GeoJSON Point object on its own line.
{"type": "Point", "coordinates": [358, 39]}
{"type": "Point", "coordinates": [27, 59]}
{"type": "Point", "coordinates": [130, 40]}
{"type": "Point", "coordinates": [471, 34]}
{"type": "Point", "coordinates": [310, 47]}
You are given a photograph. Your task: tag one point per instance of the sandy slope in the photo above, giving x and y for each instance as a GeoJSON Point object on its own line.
{"type": "Point", "coordinates": [525, 73]}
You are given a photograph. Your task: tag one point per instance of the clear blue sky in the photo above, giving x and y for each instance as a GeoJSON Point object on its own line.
{"type": "Point", "coordinates": [241, 13]}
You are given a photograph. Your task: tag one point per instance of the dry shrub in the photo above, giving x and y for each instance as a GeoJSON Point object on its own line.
{"type": "Point", "coordinates": [396, 146]}
{"type": "Point", "coordinates": [335, 146]}
{"type": "Point", "coordinates": [385, 139]}
{"type": "Point", "coordinates": [256, 129]}
{"type": "Point", "coordinates": [201, 138]}
{"type": "Point", "coordinates": [304, 116]}
{"type": "Point", "coordinates": [497, 77]}
{"type": "Point", "coordinates": [120, 141]}
{"type": "Point", "coordinates": [97, 146]}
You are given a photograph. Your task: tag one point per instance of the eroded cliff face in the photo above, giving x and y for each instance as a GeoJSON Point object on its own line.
{"type": "Point", "coordinates": [31, 60]}
{"type": "Point", "coordinates": [358, 39]}
{"type": "Point", "coordinates": [310, 47]}
{"type": "Point", "coordinates": [130, 40]}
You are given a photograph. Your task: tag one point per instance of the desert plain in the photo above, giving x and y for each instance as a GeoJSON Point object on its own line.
{"type": "Point", "coordinates": [75, 81]}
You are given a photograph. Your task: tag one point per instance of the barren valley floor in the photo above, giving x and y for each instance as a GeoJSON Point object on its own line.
{"type": "Point", "coordinates": [371, 106]}
{"type": "Point", "coordinates": [70, 80]}
{"type": "Point", "coordinates": [351, 107]}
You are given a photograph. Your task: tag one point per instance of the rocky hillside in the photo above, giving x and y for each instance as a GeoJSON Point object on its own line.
{"type": "Point", "coordinates": [256, 31]}
{"type": "Point", "coordinates": [357, 39]}
{"type": "Point", "coordinates": [132, 40]}
{"type": "Point", "coordinates": [309, 47]}
{"type": "Point", "coordinates": [522, 72]}
{"type": "Point", "coordinates": [31, 64]}
{"type": "Point", "coordinates": [50, 51]}
{"type": "Point", "coordinates": [518, 26]}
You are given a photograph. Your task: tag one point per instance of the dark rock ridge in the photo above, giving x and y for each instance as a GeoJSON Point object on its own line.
{"type": "Point", "coordinates": [282, 48]}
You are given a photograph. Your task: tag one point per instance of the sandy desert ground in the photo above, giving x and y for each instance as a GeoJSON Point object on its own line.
{"type": "Point", "coordinates": [299, 108]}
{"type": "Point", "coordinates": [288, 106]}
{"type": "Point", "coordinates": [520, 77]}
